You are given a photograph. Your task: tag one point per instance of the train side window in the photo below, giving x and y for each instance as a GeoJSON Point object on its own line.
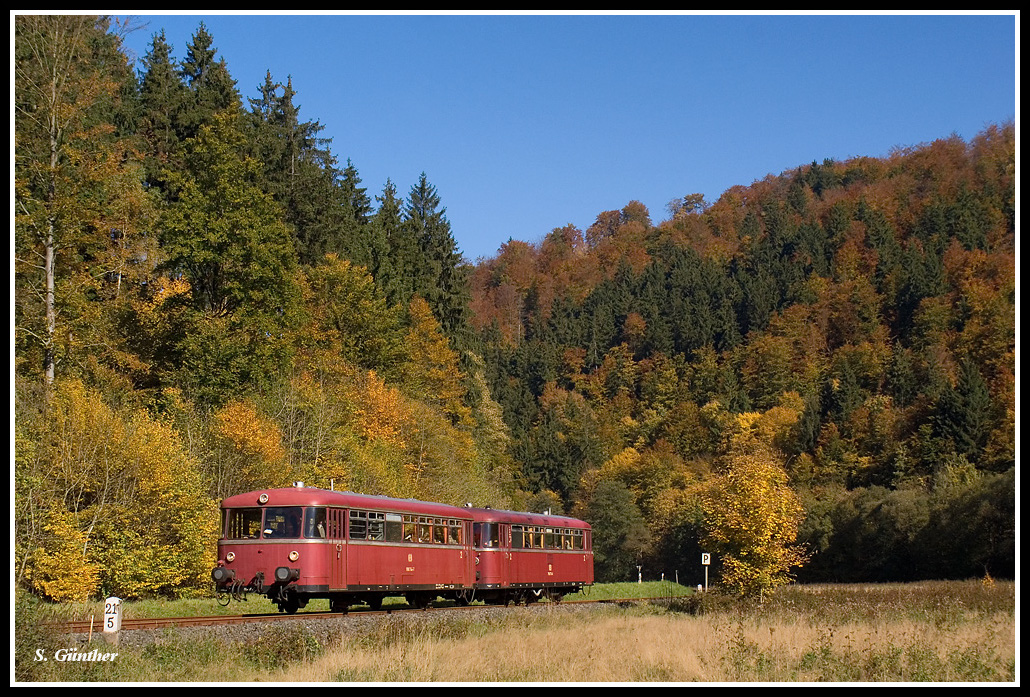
{"type": "Point", "coordinates": [409, 528]}
{"type": "Point", "coordinates": [358, 525]}
{"type": "Point", "coordinates": [394, 527]}
{"type": "Point", "coordinates": [440, 531]}
{"type": "Point", "coordinates": [314, 523]}
{"type": "Point", "coordinates": [244, 523]}
{"type": "Point", "coordinates": [454, 529]}
{"type": "Point", "coordinates": [517, 533]}
{"type": "Point", "coordinates": [425, 530]}
{"type": "Point", "coordinates": [376, 526]}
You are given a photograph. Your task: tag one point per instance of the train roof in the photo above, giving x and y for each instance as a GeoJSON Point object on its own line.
{"type": "Point", "coordinates": [311, 496]}
{"type": "Point", "coordinates": [490, 515]}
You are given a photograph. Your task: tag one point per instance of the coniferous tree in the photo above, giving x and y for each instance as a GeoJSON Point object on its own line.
{"type": "Point", "coordinates": [162, 99]}
{"type": "Point", "coordinates": [300, 173]}
{"type": "Point", "coordinates": [227, 238]}
{"type": "Point", "coordinates": [209, 86]}
{"type": "Point", "coordinates": [441, 277]}
{"type": "Point", "coordinates": [963, 412]}
{"type": "Point", "coordinates": [391, 248]}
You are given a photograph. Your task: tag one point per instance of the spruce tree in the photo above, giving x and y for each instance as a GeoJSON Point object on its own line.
{"type": "Point", "coordinates": [388, 248]}
{"type": "Point", "coordinates": [210, 87]}
{"type": "Point", "coordinates": [964, 411]}
{"type": "Point", "coordinates": [162, 99]}
{"type": "Point", "coordinates": [441, 277]}
{"type": "Point", "coordinates": [300, 173]}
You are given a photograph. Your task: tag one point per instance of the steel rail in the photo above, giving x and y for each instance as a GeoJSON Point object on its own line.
{"type": "Point", "coordinates": [95, 626]}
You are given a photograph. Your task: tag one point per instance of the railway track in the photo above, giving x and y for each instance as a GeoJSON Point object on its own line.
{"type": "Point", "coordinates": [85, 626]}
{"type": "Point", "coordinates": [96, 626]}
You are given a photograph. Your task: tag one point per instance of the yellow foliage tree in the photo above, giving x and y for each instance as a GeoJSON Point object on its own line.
{"type": "Point", "coordinates": [432, 373]}
{"type": "Point", "coordinates": [103, 485]}
{"type": "Point", "coordinates": [60, 570]}
{"type": "Point", "coordinates": [752, 516]}
{"type": "Point", "coordinates": [380, 410]}
{"type": "Point", "coordinates": [249, 451]}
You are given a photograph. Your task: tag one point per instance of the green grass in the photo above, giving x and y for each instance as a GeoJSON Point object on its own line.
{"type": "Point", "coordinates": [647, 589]}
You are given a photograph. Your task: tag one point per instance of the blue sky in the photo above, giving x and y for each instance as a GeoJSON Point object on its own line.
{"type": "Point", "coordinates": [525, 123]}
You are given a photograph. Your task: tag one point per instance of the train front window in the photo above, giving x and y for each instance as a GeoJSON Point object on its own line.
{"type": "Point", "coordinates": [485, 535]}
{"type": "Point", "coordinates": [282, 523]}
{"type": "Point", "coordinates": [243, 524]}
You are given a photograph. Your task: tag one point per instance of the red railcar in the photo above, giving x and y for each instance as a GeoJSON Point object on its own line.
{"type": "Point", "coordinates": [521, 557]}
{"type": "Point", "coordinates": [297, 544]}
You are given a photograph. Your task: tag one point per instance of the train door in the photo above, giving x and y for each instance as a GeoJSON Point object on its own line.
{"type": "Point", "coordinates": [337, 539]}
{"type": "Point", "coordinates": [468, 554]}
{"type": "Point", "coordinates": [504, 542]}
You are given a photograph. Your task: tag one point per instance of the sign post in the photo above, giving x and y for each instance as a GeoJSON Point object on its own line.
{"type": "Point", "coordinates": [113, 618]}
{"type": "Point", "coordinates": [706, 560]}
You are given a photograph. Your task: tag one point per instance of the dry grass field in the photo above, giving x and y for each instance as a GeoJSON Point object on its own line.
{"type": "Point", "coordinates": [938, 632]}
{"type": "Point", "coordinates": [897, 633]}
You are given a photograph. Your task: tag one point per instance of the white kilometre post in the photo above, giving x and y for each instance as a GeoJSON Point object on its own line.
{"type": "Point", "coordinates": [112, 618]}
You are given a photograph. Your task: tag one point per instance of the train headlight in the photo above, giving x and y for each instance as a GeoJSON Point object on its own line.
{"type": "Point", "coordinates": [221, 575]}
{"type": "Point", "coordinates": [230, 556]}
{"type": "Point", "coordinates": [285, 574]}
{"type": "Point", "coordinates": [263, 498]}
{"type": "Point", "coordinates": [294, 555]}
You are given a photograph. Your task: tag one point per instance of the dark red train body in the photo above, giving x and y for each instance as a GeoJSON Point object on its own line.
{"type": "Point", "coordinates": [297, 544]}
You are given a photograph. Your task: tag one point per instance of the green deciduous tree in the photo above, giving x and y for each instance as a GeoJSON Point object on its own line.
{"type": "Point", "coordinates": [619, 532]}
{"type": "Point", "coordinates": [80, 209]}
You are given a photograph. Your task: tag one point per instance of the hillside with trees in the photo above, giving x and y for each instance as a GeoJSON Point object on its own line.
{"type": "Point", "coordinates": [812, 377]}
{"type": "Point", "coordinates": [853, 321]}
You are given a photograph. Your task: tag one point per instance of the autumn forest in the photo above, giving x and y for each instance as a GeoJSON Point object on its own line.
{"type": "Point", "coordinates": [812, 377]}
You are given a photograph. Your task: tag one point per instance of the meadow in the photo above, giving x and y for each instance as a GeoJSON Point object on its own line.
{"type": "Point", "coordinates": [923, 632]}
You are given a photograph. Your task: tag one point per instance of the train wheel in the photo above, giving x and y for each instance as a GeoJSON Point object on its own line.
{"type": "Point", "coordinates": [290, 605]}
{"type": "Point", "coordinates": [374, 602]}
{"type": "Point", "coordinates": [338, 605]}
{"type": "Point", "coordinates": [419, 601]}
